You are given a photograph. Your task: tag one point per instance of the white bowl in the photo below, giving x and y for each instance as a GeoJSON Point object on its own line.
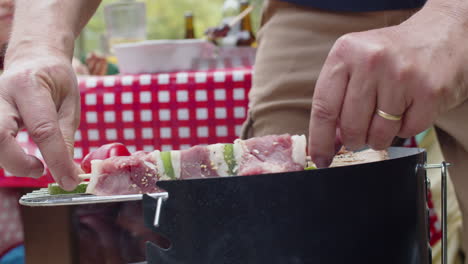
{"type": "Point", "coordinates": [153, 56]}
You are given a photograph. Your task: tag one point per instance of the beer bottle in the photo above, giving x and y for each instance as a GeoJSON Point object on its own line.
{"type": "Point", "coordinates": [246, 36]}
{"type": "Point", "coordinates": [189, 29]}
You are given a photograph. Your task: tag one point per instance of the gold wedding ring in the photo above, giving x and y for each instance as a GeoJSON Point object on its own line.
{"type": "Point", "coordinates": [388, 116]}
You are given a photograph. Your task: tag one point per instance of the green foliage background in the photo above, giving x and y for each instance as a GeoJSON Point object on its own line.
{"type": "Point", "coordinates": [165, 20]}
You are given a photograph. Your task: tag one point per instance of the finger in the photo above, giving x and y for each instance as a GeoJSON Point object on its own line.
{"type": "Point", "coordinates": [41, 120]}
{"type": "Point", "coordinates": [14, 160]}
{"type": "Point", "coordinates": [391, 100]}
{"type": "Point", "coordinates": [418, 117]}
{"type": "Point", "coordinates": [12, 156]}
{"type": "Point", "coordinates": [356, 115]}
{"type": "Point", "coordinates": [326, 107]}
{"type": "Point", "coordinates": [69, 119]}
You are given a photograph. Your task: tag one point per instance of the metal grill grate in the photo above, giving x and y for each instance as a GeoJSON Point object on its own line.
{"type": "Point", "coordinates": [42, 197]}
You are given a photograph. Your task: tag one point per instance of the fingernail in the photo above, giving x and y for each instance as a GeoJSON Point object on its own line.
{"type": "Point", "coordinates": [322, 162]}
{"type": "Point", "coordinates": [68, 183]}
{"type": "Point", "coordinates": [36, 173]}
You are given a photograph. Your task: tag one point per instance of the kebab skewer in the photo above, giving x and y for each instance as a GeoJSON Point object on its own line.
{"type": "Point", "coordinates": [112, 170]}
{"type": "Point", "coordinates": [139, 172]}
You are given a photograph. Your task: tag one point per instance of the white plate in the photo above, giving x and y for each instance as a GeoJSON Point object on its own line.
{"type": "Point", "coordinates": [154, 56]}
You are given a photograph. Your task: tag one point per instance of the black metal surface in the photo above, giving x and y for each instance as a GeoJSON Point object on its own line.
{"type": "Point", "coordinates": [369, 213]}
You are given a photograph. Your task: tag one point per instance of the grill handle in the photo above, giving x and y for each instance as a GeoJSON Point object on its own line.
{"type": "Point", "coordinates": [443, 174]}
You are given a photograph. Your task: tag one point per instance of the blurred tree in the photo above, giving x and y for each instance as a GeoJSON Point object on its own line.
{"type": "Point", "coordinates": [165, 20]}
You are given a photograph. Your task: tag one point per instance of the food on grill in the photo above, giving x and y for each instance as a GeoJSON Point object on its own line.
{"type": "Point", "coordinates": [270, 154]}
{"type": "Point", "coordinates": [195, 163]}
{"type": "Point", "coordinates": [164, 165]}
{"type": "Point", "coordinates": [345, 157]}
{"type": "Point", "coordinates": [104, 152]}
{"type": "Point", "coordinates": [54, 188]}
{"type": "Point", "coordinates": [353, 158]}
{"type": "Point", "coordinates": [139, 172]}
{"type": "Point", "coordinates": [222, 157]}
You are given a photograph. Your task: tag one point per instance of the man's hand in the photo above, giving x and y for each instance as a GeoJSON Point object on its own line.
{"type": "Point", "coordinates": [39, 92]}
{"type": "Point", "coordinates": [416, 70]}
{"type": "Point", "coordinates": [38, 88]}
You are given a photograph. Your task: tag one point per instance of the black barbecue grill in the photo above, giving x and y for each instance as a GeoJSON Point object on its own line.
{"type": "Point", "coordinates": [367, 213]}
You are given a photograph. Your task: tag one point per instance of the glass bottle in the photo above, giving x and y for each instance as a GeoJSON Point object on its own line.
{"type": "Point", "coordinates": [189, 28]}
{"type": "Point", "coordinates": [246, 36]}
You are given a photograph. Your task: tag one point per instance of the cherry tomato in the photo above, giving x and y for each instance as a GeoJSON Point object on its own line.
{"type": "Point", "coordinates": [104, 152]}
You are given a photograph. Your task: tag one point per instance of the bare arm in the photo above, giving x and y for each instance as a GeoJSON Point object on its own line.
{"type": "Point", "coordinates": [38, 89]}
{"type": "Point", "coordinates": [52, 23]}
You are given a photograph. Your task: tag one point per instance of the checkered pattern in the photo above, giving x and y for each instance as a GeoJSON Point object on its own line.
{"type": "Point", "coordinates": [159, 111]}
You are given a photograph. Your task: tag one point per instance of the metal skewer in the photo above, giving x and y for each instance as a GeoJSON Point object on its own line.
{"type": "Point", "coordinates": [42, 197]}
{"type": "Point", "coordinates": [443, 167]}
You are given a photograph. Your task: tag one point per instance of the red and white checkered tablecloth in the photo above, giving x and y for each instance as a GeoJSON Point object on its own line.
{"type": "Point", "coordinates": [158, 111]}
